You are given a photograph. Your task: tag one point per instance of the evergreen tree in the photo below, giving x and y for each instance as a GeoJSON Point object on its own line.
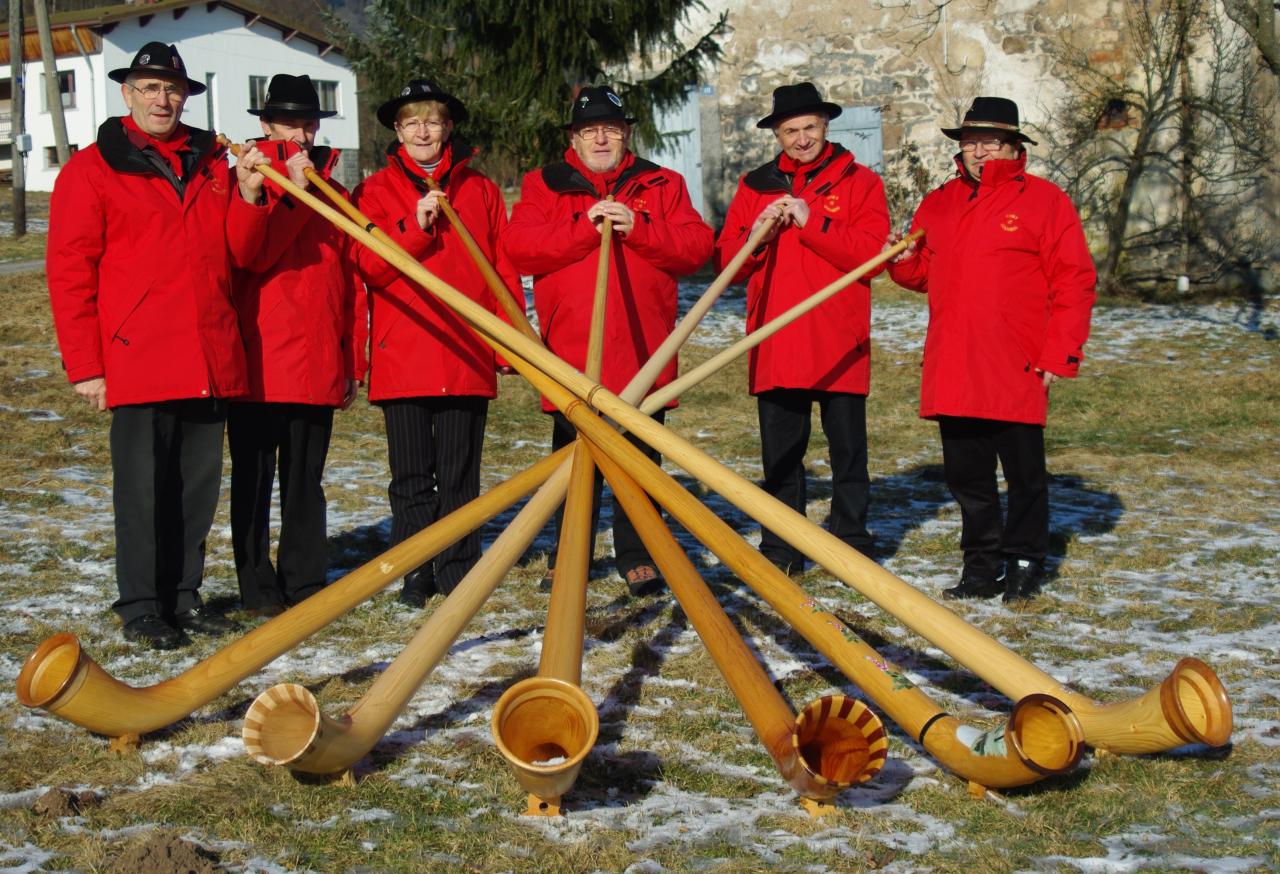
{"type": "Point", "coordinates": [516, 64]}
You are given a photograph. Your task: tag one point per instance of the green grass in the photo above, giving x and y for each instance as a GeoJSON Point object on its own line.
{"type": "Point", "coordinates": [1170, 471]}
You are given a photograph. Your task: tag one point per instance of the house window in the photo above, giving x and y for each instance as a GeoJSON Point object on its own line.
{"type": "Point", "coordinates": [1116, 115]}
{"type": "Point", "coordinates": [66, 87]}
{"type": "Point", "coordinates": [51, 156]}
{"type": "Point", "coordinates": [328, 92]}
{"type": "Point", "coordinates": [257, 92]}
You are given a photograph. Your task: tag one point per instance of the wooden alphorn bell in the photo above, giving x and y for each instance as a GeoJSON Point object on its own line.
{"type": "Point", "coordinates": [285, 725]}
{"type": "Point", "coordinates": [1190, 706]}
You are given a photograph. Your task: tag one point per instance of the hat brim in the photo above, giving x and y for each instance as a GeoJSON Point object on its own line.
{"type": "Point", "coordinates": [953, 133]}
{"type": "Point", "coordinates": [831, 110]}
{"type": "Point", "coordinates": [277, 111]}
{"type": "Point", "coordinates": [387, 112]}
{"type": "Point", "coordinates": [122, 73]}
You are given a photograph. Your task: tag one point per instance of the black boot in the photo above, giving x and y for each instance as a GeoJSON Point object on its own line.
{"type": "Point", "coordinates": [202, 620]}
{"type": "Point", "coordinates": [418, 587]}
{"type": "Point", "coordinates": [1023, 579]}
{"type": "Point", "coordinates": [974, 587]}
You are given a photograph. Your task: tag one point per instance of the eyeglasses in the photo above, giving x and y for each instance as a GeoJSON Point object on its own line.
{"type": "Point", "coordinates": [412, 124]}
{"type": "Point", "coordinates": [990, 144]}
{"type": "Point", "coordinates": [154, 90]}
{"type": "Point", "coordinates": [610, 131]}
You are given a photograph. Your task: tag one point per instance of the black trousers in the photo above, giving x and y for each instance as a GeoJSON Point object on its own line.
{"type": "Point", "coordinates": [166, 465]}
{"type": "Point", "coordinates": [970, 449]}
{"type": "Point", "coordinates": [298, 436]}
{"type": "Point", "coordinates": [785, 426]}
{"type": "Point", "coordinates": [628, 549]}
{"type": "Point", "coordinates": [433, 446]}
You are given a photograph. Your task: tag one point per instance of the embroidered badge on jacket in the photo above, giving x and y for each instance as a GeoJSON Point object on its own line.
{"type": "Point", "coordinates": [1010, 222]}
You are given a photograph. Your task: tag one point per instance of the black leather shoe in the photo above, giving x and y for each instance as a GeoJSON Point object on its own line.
{"type": "Point", "coordinates": [266, 611]}
{"type": "Point", "coordinates": [1023, 580]}
{"type": "Point", "coordinates": [154, 632]}
{"type": "Point", "coordinates": [644, 579]}
{"type": "Point", "coordinates": [547, 581]}
{"type": "Point", "coordinates": [202, 620]}
{"type": "Point", "coordinates": [974, 587]}
{"type": "Point", "coordinates": [417, 589]}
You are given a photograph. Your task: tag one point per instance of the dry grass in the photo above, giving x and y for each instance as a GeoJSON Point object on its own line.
{"type": "Point", "coordinates": [435, 794]}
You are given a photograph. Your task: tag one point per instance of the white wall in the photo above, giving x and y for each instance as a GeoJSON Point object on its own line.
{"type": "Point", "coordinates": [215, 42]}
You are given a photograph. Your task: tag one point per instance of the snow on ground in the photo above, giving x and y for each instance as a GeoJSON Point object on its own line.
{"type": "Point", "coordinates": [503, 641]}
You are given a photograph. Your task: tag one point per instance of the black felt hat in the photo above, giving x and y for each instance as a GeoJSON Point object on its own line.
{"type": "Point", "coordinates": [420, 89]}
{"type": "Point", "coordinates": [158, 59]}
{"type": "Point", "coordinates": [293, 96]}
{"type": "Point", "coordinates": [991, 114]}
{"type": "Point", "coordinates": [597, 104]}
{"type": "Point", "coordinates": [802, 99]}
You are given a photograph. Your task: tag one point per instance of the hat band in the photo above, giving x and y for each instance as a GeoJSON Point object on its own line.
{"type": "Point", "coordinates": [996, 124]}
{"type": "Point", "coordinates": [285, 106]}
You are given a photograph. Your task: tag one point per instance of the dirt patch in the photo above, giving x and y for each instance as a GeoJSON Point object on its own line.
{"type": "Point", "coordinates": [60, 801]}
{"type": "Point", "coordinates": [164, 854]}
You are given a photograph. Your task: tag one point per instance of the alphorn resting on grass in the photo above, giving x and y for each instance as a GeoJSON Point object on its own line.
{"type": "Point", "coordinates": [1190, 706]}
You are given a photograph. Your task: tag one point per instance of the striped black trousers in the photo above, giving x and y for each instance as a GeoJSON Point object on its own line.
{"type": "Point", "coordinates": [433, 447]}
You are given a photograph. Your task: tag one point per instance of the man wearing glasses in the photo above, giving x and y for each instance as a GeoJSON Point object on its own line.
{"type": "Point", "coordinates": [1011, 287]}
{"type": "Point", "coordinates": [140, 286]}
{"type": "Point", "coordinates": [555, 235]}
{"type": "Point", "coordinates": [429, 372]}
{"type": "Point", "coordinates": [829, 215]}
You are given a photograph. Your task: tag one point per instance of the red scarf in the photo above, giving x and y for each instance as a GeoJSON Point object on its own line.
{"type": "Point", "coordinates": [169, 149]}
{"type": "Point", "coordinates": [603, 182]}
{"type": "Point", "coordinates": [797, 171]}
{"type": "Point", "coordinates": [446, 162]}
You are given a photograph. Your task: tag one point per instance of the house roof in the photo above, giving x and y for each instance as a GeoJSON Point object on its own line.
{"type": "Point", "coordinates": [91, 24]}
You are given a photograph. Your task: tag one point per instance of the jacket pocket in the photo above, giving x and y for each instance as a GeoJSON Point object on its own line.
{"type": "Point", "coordinates": [118, 333]}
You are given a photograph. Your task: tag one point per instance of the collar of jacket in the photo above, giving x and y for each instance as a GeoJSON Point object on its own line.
{"type": "Point", "coordinates": [123, 156]}
{"type": "Point", "coordinates": [563, 178]}
{"type": "Point", "coordinates": [769, 177]}
{"type": "Point", "coordinates": [995, 173]}
{"type": "Point", "coordinates": [459, 154]}
{"type": "Point", "coordinates": [325, 158]}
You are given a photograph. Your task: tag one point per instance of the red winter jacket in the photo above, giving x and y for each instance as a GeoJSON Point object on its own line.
{"type": "Point", "coordinates": [139, 277]}
{"type": "Point", "coordinates": [551, 238]}
{"type": "Point", "coordinates": [304, 325]}
{"type": "Point", "coordinates": [1011, 287]}
{"type": "Point", "coordinates": [419, 347]}
{"type": "Point", "coordinates": [829, 349]}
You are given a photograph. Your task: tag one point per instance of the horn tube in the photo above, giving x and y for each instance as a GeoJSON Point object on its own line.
{"type": "Point", "coordinates": [838, 742]}
{"type": "Point", "coordinates": [62, 679]}
{"type": "Point", "coordinates": [544, 726]}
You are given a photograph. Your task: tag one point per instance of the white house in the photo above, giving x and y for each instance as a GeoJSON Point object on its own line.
{"type": "Point", "coordinates": [233, 47]}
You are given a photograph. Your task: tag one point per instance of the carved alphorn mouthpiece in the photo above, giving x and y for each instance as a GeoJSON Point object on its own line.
{"type": "Point", "coordinates": [544, 727]}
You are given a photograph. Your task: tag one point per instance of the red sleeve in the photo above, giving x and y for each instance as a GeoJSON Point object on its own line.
{"type": "Point", "coordinates": [1068, 266]}
{"type": "Point", "coordinates": [855, 234]}
{"type": "Point", "coordinates": [743, 211]}
{"type": "Point", "coordinates": [355, 328]}
{"type": "Point", "coordinates": [378, 202]}
{"type": "Point", "coordinates": [77, 239]}
{"type": "Point", "coordinates": [674, 239]}
{"type": "Point", "coordinates": [536, 241]}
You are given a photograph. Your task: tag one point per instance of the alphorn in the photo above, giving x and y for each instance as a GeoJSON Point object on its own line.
{"type": "Point", "coordinates": [62, 679]}
{"type": "Point", "coordinates": [837, 743]}
{"type": "Point", "coordinates": [1042, 736]}
{"type": "Point", "coordinates": [285, 725]}
{"type": "Point", "coordinates": [1189, 706]}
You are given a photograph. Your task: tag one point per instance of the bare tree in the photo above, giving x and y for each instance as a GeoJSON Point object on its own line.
{"type": "Point", "coordinates": [1258, 19]}
{"type": "Point", "coordinates": [1166, 151]}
